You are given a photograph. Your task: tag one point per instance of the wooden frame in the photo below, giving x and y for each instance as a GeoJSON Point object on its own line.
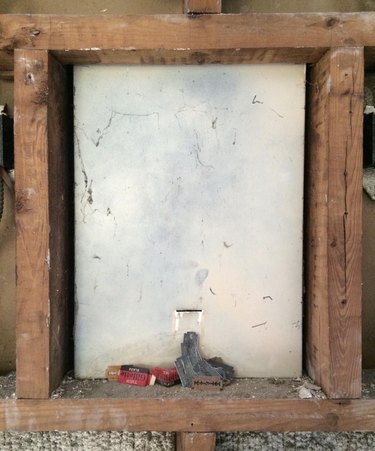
{"type": "Point", "coordinates": [44, 212]}
{"type": "Point", "coordinates": [42, 47]}
{"type": "Point", "coordinates": [334, 227]}
{"type": "Point", "coordinates": [192, 416]}
{"type": "Point", "coordinates": [173, 39]}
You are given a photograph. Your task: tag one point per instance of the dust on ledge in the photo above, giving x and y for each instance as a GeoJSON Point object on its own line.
{"type": "Point", "coordinates": [252, 388]}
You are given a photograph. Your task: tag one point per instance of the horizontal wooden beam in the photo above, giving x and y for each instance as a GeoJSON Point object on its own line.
{"type": "Point", "coordinates": [209, 415]}
{"type": "Point", "coordinates": [230, 56]}
{"type": "Point", "coordinates": [196, 32]}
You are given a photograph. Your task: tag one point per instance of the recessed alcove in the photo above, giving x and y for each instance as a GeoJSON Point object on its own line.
{"type": "Point", "coordinates": [188, 215]}
{"type": "Point", "coordinates": [332, 209]}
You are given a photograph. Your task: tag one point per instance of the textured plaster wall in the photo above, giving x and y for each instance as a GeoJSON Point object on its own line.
{"type": "Point", "coordinates": [182, 157]}
{"type": "Point", "coordinates": [7, 234]}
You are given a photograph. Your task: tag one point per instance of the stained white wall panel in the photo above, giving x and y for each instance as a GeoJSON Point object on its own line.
{"type": "Point", "coordinates": [189, 189]}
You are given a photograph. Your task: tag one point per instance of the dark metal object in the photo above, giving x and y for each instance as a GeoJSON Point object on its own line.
{"type": "Point", "coordinates": [204, 383]}
{"type": "Point", "coordinates": [191, 364]}
{"type": "Point", "coordinates": [226, 371]}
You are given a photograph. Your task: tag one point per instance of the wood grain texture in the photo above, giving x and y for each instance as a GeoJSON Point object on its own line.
{"type": "Point", "coordinates": [43, 288]}
{"type": "Point", "coordinates": [334, 222]}
{"type": "Point", "coordinates": [187, 415]}
{"type": "Point", "coordinates": [61, 220]}
{"type": "Point", "coordinates": [193, 441]}
{"type": "Point", "coordinates": [169, 57]}
{"type": "Point", "coordinates": [316, 223]}
{"type": "Point", "coordinates": [32, 223]}
{"type": "Point", "coordinates": [345, 221]}
{"type": "Point", "coordinates": [195, 32]}
{"type": "Point", "coordinates": [202, 6]}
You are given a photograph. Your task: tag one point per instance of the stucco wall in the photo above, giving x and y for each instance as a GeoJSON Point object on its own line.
{"type": "Point", "coordinates": [7, 233]}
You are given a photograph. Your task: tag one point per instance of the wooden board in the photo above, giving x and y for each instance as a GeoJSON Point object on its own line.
{"type": "Point", "coordinates": [192, 441]}
{"type": "Point", "coordinates": [44, 282]}
{"type": "Point", "coordinates": [162, 57]}
{"type": "Point", "coordinates": [334, 222]}
{"type": "Point", "coordinates": [187, 415]}
{"type": "Point", "coordinates": [202, 6]}
{"type": "Point", "coordinates": [179, 32]}
{"type": "Point", "coordinates": [231, 56]}
{"type": "Point", "coordinates": [31, 165]}
{"type": "Point", "coordinates": [61, 220]}
{"type": "Point", "coordinates": [172, 39]}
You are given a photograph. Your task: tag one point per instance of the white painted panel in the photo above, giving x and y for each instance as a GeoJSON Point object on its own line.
{"type": "Point", "coordinates": [189, 186]}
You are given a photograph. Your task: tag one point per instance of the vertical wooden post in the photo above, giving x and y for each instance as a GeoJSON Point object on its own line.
{"type": "Point", "coordinates": [194, 441]}
{"type": "Point", "coordinates": [202, 6]}
{"type": "Point", "coordinates": [334, 222]}
{"type": "Point", "coordinates": [44, 219]}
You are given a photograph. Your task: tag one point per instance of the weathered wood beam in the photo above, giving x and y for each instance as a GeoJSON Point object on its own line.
{"type": "Point", "coordinates": [196, 32]}
{"type": "Point", "coordinates": [43, 219]}
{"type": "Point", "coordinates": [334, 222]}
{"type": "Point", "coordinates": [194, 415]}
{"type": "Point", "coordinates": [237, 56]}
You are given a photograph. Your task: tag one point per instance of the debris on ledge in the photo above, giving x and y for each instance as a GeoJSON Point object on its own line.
{"type": "Point", "coordinates": [309, 390]}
